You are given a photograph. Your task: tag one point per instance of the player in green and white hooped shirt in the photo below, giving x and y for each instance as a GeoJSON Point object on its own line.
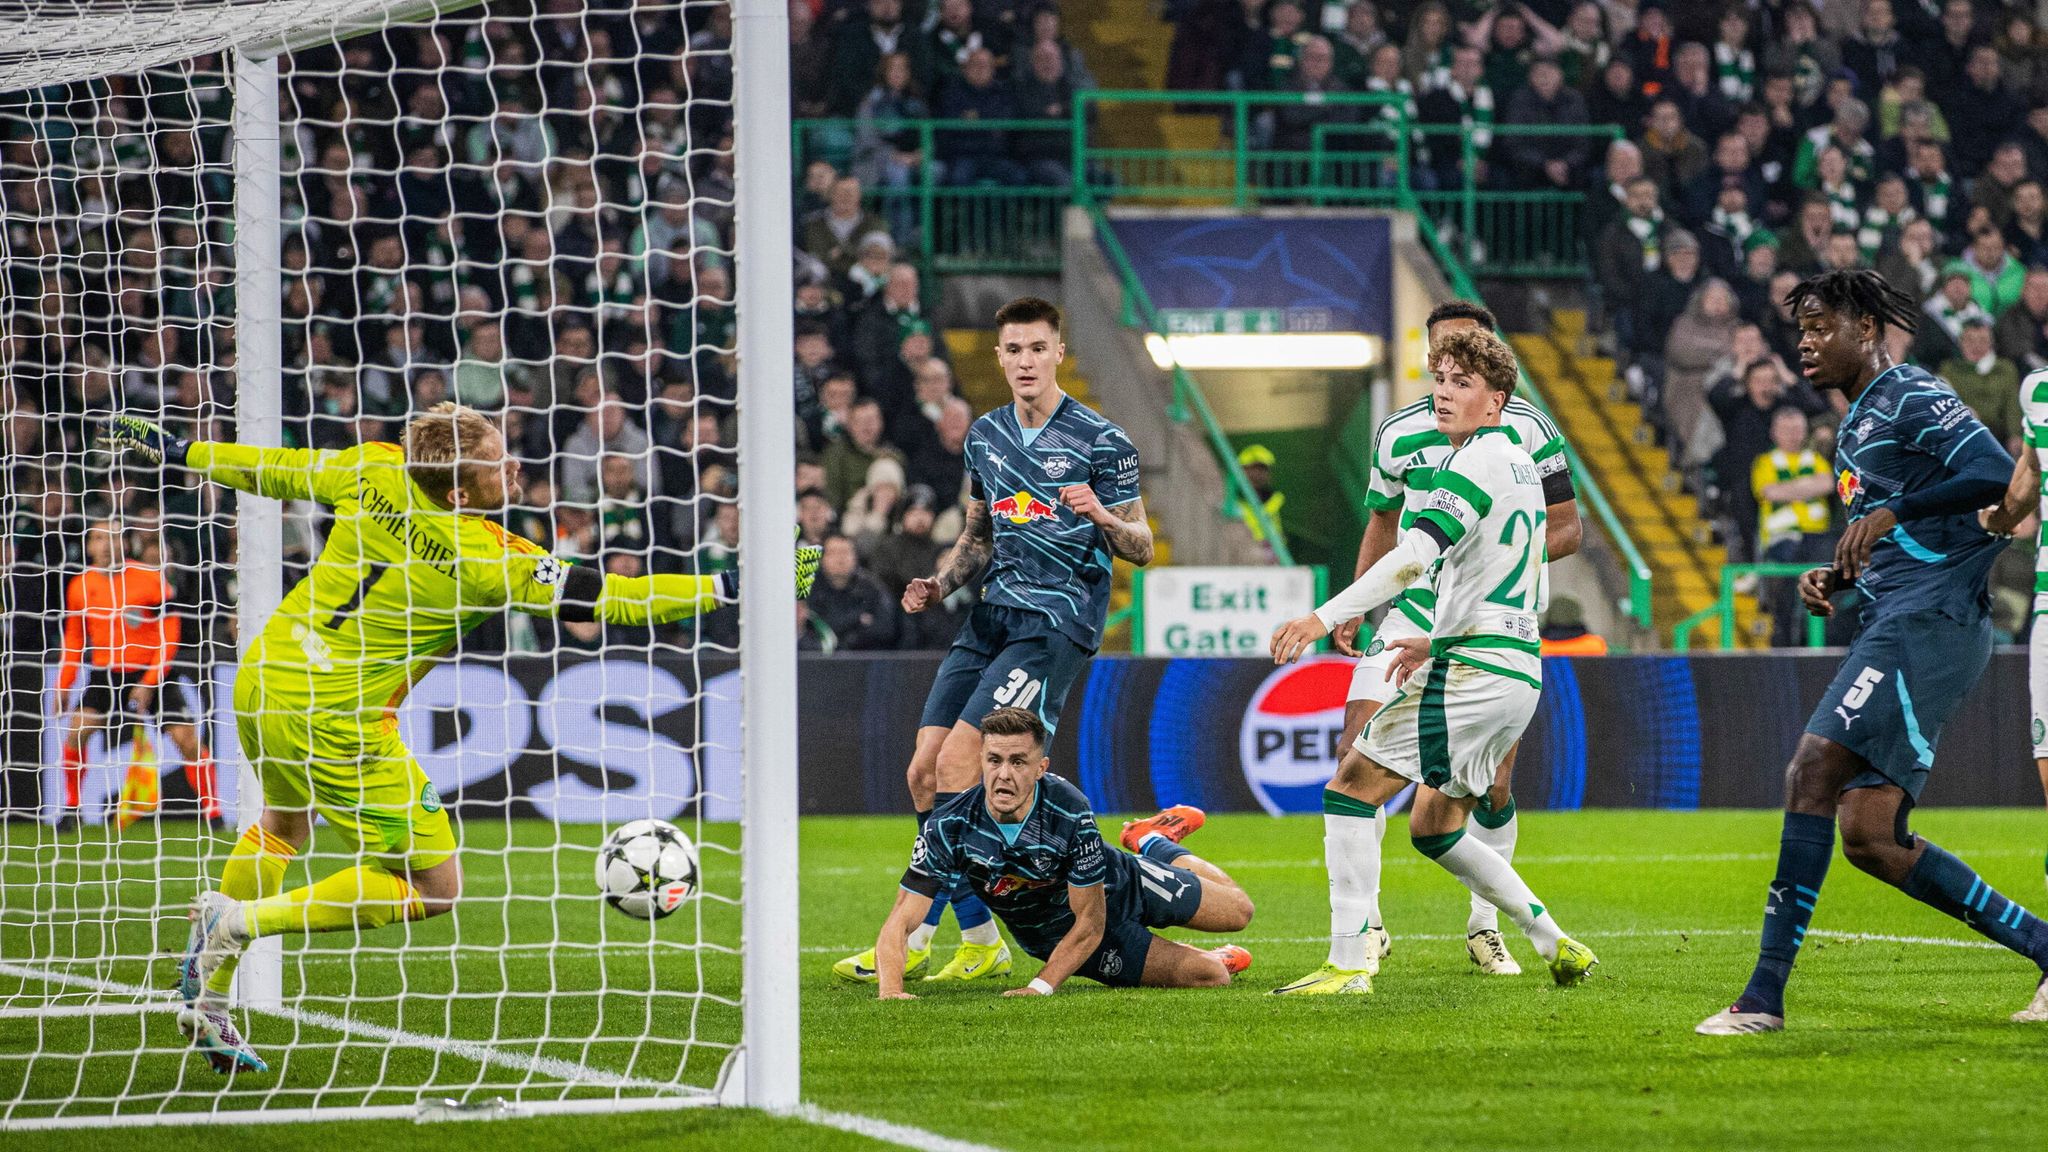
{"type": "Point", "coordinates": [1407, 449]}
{"type": "Point", "coordinates": [2023, 499]}
{"type": "Point", "coordinates": [1469, 687]}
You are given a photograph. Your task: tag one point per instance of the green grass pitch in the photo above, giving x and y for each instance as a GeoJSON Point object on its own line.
{"type": "Point", "coordinates": [1898, 1027]}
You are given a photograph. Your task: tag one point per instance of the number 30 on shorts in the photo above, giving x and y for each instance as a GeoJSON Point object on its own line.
{"type": "Point", "coordinates": [1020, 691]}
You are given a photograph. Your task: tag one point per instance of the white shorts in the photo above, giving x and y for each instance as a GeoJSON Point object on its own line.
{"type": "Point", "coordinates": [1452, 724]}
{"type": "Point", "coordinates": [1369, 680]}
{"type": "Point", "coordinates": [2037, 686]}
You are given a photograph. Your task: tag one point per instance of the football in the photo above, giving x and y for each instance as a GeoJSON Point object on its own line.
{"type": "Point", "coordinates": [647, 868]}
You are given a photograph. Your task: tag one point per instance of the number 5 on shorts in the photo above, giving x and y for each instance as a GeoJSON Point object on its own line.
{"type": "Point", "coordinates": [1859, 692]}
{"type": "Point", "coordinates": [1020, 692]}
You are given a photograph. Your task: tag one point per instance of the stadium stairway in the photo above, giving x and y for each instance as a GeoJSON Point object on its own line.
{"type": "Point", "coordinates": [1614, 439]}
{"type": "Point", "coordinates": [981, 382]}
{"type": "Point", "coordinates": [1126, 39]}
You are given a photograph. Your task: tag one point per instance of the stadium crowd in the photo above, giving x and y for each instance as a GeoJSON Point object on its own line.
{"type": "Point", "coordinates": [1761, 142]}
{"type": "Point", "coordinates": [532, 215]}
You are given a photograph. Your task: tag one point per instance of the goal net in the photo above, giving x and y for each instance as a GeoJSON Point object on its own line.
{"type": "Point", "coordinates": [299, 224]}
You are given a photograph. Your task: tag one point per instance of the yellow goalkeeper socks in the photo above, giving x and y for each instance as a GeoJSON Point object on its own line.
{"type": "Point", "coordinates": [255, 869]}
{"type": "Point", "coordinates": [365, 896]}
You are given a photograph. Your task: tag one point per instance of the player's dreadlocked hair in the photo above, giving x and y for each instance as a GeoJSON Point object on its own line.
{"type": "Point", "coordinates": [1858, 292]}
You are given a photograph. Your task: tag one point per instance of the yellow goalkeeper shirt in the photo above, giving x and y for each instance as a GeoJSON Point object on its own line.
{"type": "Point", "coordinates": [400, 579]}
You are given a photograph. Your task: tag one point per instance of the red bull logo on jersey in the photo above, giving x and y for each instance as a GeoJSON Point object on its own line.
{"type": "Point", "coordinates": [1288, 741]}
{"type": "Point", "coordinates": [1022, 508]}
{"type": "Point", "coordinates": [1847, 486]}
{"type": "Point", "coordinates": [1010, 883]}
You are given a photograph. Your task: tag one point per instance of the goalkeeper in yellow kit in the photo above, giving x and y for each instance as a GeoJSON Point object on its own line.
{"type": "Point", "coordinates": [411, 564]}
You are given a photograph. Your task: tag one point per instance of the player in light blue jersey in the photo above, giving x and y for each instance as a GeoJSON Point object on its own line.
{"type": "Point", "coordinates": [1052, 499]}
{"type": "Point", "coordinates": [1915, 467]}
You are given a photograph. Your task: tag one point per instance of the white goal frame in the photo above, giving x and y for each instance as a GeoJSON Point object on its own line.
{"type": "Point", "coordinates": [764, 1071]}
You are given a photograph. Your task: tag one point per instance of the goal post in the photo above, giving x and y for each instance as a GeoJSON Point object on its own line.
{"type": "Point", "coordinates": [295, 188]}
{"type": "Point", "coordinates": [768, 453]}
{"type": "Point", "coordinates": [259, 419]}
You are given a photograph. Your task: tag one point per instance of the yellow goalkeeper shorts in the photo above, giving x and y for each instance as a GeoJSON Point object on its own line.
{"type": "Point", "coordinates": [359, 776]}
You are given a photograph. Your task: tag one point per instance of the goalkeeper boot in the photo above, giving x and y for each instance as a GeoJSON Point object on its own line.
{"type": "Point", "coordinates": [860, 967]}
{"type": "Point", "coordinates": [1176, 824]}
{"type": "Point", "coordinates": [217, 933]}
{"type": "Point", "coordinates": [1573, 961]}
{"type": "Point", "coordinates": [974, 961]}
{"type": "Point", "coordinates": [1330, 980]}
{"type": "Point", "coordinates": [213, 1032]}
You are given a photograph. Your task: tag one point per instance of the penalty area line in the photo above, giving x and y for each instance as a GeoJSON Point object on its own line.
{"type": "Point", "coordinates": [152, 999]}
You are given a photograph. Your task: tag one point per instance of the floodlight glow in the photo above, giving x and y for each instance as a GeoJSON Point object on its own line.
{"type": "Point", "coordinates": [1281, 350]}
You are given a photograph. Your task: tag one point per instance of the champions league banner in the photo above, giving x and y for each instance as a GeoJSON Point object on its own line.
{"type": "Point", "coordinates": [1273, 273]}
{"type": "Point", "coordinates": [602, 741]}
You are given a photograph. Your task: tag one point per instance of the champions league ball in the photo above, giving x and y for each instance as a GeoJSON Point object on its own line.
{"type": "Point", "coordinates": [647, 868]}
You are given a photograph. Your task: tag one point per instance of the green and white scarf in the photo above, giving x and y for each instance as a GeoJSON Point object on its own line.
{"type": "Point", "coordinates": [1734, 71]}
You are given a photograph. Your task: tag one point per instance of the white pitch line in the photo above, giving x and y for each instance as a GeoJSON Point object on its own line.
{"type": "Point", "coordinates": [151, 1000]}
{"type": "Point", "coordinates": [144, 999]}
{"type": "Point", "coordinates": [889, 1131]}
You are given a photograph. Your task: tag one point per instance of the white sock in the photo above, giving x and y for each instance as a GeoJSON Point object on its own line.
{"type": "Point", "coordinates": [1379, 837]}
{"type": "Point", "coordinates": [1483, 871]}
{"type": "Point", "coordinates": [921, 936]}
{"type": "Point", "coordinates": [1351, 852]}
{"type": "Point", "coordinates": [1484, 916]}
{"type": "Point", "coordinates": [981, 934]}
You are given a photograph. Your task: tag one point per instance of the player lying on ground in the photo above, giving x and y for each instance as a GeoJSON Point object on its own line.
{"type": "Point", "coordinates": [2023, 499]}
{"type": "Point", "coordinates": [118, 620]}
{"type": "Point", "coordinates": [1025, 841]}
{"type": "Point", "coordinates": [1407, 449]}
{"type": "Point", "coordinates": [1467, 689]}
{"type": "Point", "coordinates": [1915, 468]}
{"type": "Point", "coordinates": [1052, 496]}
{"type": "Point", "coordinates": [411, 563]}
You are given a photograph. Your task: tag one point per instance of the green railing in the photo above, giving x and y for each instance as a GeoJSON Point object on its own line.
{"type": "Point", "coordinates": [1723, 608]}
{"type": "Point", "coordinates": [1590, 493]}
{"type": "Point", "coordinates": [1535, 233]}
{"type": "Point", "coordinates": [1366, 160]}
{"type": "Point", "coordinates": [1188, 401]}
{"type": "Point", "coordinates": [966, 229]}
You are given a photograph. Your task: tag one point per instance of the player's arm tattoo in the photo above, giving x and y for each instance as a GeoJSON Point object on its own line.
{"type": "Point", "coordinates": [1131, 536]}
{"type": "Point", "coordinates": [970, 552]}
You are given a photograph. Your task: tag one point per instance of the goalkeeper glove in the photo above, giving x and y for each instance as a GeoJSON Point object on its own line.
{"type": "Point", "coordinates": [138, 438]}
{"type": "Point", "coordinates": [808, 557]}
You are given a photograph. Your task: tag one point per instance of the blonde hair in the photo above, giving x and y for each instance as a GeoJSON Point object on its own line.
{"type": "Point", "coordinates": [1479, 352]}
{"type": "Point", "coordinates": [440, 439]}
